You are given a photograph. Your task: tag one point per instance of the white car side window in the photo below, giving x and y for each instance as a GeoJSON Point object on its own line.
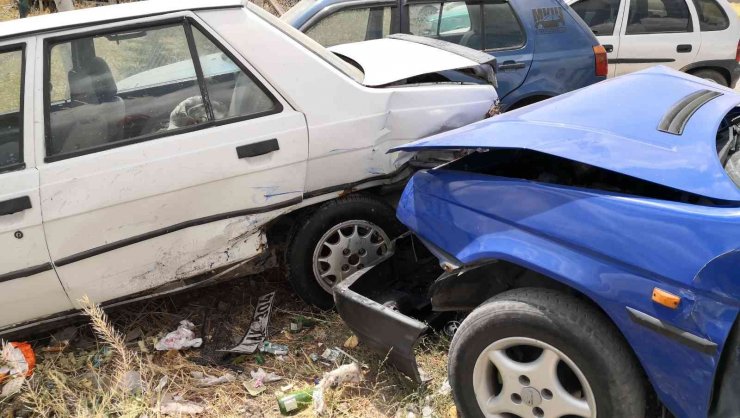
{"type": "Point", "coordinates": [658, 16]}
{"type": "Point", "coordinates": [11, 119]}
{"type": "Point", "coordinates": [118, 88]}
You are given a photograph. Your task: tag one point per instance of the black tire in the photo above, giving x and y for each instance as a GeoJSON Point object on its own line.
{"type": "Point", "coordinates": [711, 75]}
{"type": "Point", "coordinates": [578, 330]}
{"type": "Point", "coordinates": [299, 258]}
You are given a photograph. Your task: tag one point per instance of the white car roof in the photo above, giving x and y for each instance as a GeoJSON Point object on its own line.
{"type": "Point", "coordinates": [95, 15]}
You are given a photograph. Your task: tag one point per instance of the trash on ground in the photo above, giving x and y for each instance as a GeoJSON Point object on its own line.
{"type": "Point", "coordinates": [261, 377]}
{"type": "Point", "coordinates": [424, 376]}
{"type": "Point", "coordinates": [257, 331]}
{"type": "Point", "coordinates": [286, 388]}
{"type": "Point", "coordinates": [17, 362]}
{"type": "Point", "coordinates": [331, 355]}
{"type": "Point", "coordinates": [296, 401]}
{"type": "Point", "coordinates": [445, 389]}
{"type": "Point", "coordinates": [314, 357]}
{"type": "Point", "coordinates": [178, 406]}
{"type": "Point", "coordinates": [206, 380]}
{"type": "Point", "coordinates": [181, 338]}
{"type": "Point", "coordinates": [351, 342]}
{"type": "Point", "coordinates": [272, 348]}
{"type": "Point", "coordinates": [254, 389]}
{"type": "Point", "coordinates": [348, 373]}
{"type": "Point", "coordinates": [131, 382]}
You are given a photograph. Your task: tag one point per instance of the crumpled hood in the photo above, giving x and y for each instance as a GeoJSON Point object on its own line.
{"type": "Point", "coordinates": [615, 125]}
{"type": "Point", "coordinates": [399, 57]}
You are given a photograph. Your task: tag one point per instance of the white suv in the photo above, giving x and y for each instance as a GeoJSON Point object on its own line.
{"type": "Point", "coordinates": [160, 145]}
{"type": "Point", "coordinates": [700, 37]}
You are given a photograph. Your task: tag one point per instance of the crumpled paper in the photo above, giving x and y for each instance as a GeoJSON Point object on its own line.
{"type": "Point", "coordinates": [181, 338]}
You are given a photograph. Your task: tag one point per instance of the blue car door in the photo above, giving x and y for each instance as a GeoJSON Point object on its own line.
{"type": "Point", "coordinates": [492, 26]}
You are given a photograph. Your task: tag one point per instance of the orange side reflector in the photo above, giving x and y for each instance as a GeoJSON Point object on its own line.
{"type": "Point", "coordinates": [666, 299]}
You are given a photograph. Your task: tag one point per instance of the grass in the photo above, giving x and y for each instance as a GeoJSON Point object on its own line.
{"type": "Point", "coordinates": [86, 378]}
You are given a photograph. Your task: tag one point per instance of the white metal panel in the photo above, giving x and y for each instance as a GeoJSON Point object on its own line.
{"type": "Point", "coordinates": [656, 48]}
{"type": "Point", "coordinates": [350, 126]}
{"type": "Point", "coordinates": [26, 298]}
{"type": "Point", "coordinates": [720, 45]}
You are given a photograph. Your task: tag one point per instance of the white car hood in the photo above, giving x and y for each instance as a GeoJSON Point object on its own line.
{"type": "Point", "coordinates": [388, 60]}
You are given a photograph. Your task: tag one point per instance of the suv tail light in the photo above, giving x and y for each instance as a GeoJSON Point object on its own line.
{"type": "Point", "coordinates": [737, 52]}
{"type": "Point", "coordinates": [602, 63]}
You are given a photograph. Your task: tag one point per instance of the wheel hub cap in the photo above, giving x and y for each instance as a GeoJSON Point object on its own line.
{"type": "Point", "coordinates": [346, 248]}
{"type": "Point", "coordinates": [531, 397]}
{"type": "Point", "coordinates": [524, 377]}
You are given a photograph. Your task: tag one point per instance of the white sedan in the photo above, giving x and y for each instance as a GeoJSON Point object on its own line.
{"type": "Point", "coordinates": [152, 147]}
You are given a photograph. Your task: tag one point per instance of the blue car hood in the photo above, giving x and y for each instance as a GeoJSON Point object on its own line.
{"type": "Point", "coordinates": [615, 125]}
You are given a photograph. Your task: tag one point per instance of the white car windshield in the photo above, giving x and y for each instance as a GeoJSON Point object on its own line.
{"type": "Point", "coordinates": [309, 43]}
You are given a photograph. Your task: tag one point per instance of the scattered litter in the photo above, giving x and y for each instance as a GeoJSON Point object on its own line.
{"type": "Point", "coordinates": [182, 337]}
{"type": "Point", "coordinates": [348, 373]}
{"type": "Point", "coordinates": [314, 357]}
{"type": "Point", "coordinates": [259, 359]}
{"type": "Point", "coordinates": [179, 406]}
{"type": "Point", "coordinates": [426, 412]}
{"type": "Point", "coordinates": [131, 382]}
{"type": "Point", "coordinates": [296, 401]}
{"type": "Point", "coordinates": [301, 322]}
{"type": "Point", "coordinates": [296, 326]}
{"type": "Point", "coordinates": [331, 355]}
{"type": "Point", "coordinates": [261, 377]}
{"type": "Point", "coordinates": [253, 389]}
{"type": "Point", "coordinates": [206, 380]}
{"type": "Point", "coordinates": [272, 348]}
{"type": "Point", "coordinates": [445, 389]}
{"type": "Point", "coordinates": [56, 347]}
{"type": "Point", "coordinates": [257, 331]}
{"type": "Point", "coordinates": [142, 347]}
{"type": "Point", "coordinates": [17, 362]}
{"type": "Point", "coordinates": [286, 388]}
{"type": "Point", "coordinates": [351, 342]}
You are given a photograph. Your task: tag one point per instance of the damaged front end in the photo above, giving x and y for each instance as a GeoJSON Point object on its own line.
{"type": "Point", "coordinates": [387, 305]}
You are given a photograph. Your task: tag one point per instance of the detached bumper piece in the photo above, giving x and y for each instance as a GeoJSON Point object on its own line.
{"type": "Point", "coordinates": [380, 303]}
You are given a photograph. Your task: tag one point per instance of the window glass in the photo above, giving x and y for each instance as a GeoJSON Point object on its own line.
{"type": "Point", "coordinates": [121, 87]}
{"type": "Point", "coordinates": [599, 15]}
{"type": "Point", "coordinates": [658, 16]}
{"type": "Point", "coordinates": [711, 15]}
{"type": "Point", "coordinates": [501, 27]}
{"type": "Point", "coordinates": [449, 21]}
{"type": "Point", "coordinates": [352, 25]}
{"type": "Point", "coordinates": [11, 119]}
{"type": "Point", "coordinates": [423, 19]}
{"type": "Point", "coordinates": [231, 92]}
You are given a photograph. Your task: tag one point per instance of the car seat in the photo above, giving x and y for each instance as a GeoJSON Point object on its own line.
{"type": "Point", "coordinates": [96, 114]}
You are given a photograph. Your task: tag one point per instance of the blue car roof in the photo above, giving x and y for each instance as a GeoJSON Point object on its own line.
{"type": "Point", "coordinates": [659, 125]}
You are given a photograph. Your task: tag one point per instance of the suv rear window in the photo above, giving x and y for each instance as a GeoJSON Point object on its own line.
{"type": "Point", "coordinates": [711, 15]}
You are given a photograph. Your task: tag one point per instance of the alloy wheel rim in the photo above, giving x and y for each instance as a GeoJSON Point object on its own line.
{"type": "Point", "coordinates": [346, 248]}
{"type": "Point", "coordinates": [524, 377]}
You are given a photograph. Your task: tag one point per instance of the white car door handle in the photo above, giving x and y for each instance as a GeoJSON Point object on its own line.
{"type": "Point", "coordinates": [258, 148]}
{"type": "Point", "coordinates": [9, 207]}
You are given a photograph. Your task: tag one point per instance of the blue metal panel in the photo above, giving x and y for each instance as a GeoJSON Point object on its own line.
{"type": "Point", "coordinates": [613, 248]}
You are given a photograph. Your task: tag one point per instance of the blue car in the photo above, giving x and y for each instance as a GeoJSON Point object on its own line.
{"type": "Point", "coordinates": [592, 244]}
{"type": "Point", "coordinates": [542, 47]}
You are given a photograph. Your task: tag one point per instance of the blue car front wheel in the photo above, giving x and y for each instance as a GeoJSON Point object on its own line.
{"type": "Point", "coordinates": [541, 353]}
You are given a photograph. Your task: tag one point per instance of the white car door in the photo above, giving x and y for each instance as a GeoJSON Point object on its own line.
{"type": "Point", "coordinates": [605, 18]}
{"type": "Point", "coordinates": [657, 32]}
{"type": "Point", "coordinates": [29, 288]}
{"type": "Point", "coordinates": [165, 154]}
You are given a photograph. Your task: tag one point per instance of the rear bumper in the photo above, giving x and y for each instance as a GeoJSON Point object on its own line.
{"type": "Point", "coordinates": [375, 307]}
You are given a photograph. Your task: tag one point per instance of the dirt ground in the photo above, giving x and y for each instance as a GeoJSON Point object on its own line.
{"type": "Point", "coordinates": [75, 381]}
